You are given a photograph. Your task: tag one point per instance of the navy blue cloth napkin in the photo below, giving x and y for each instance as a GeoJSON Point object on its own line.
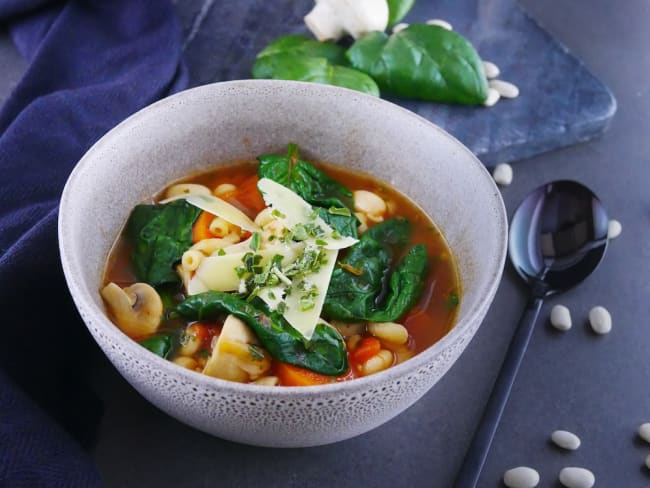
{"type": "Point", "coordinates": [91, 64]}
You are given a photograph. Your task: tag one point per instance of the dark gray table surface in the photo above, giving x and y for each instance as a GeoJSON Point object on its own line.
{"type": "Point", "coordinates": [597, 387]}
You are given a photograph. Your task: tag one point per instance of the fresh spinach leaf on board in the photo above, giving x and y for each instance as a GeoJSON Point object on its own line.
{"type": "Point", "coordinates": [364, 288]}
{"type": "Point", "coordinates": [160, 234]}
{"type": "Point", "coordinates": [160, 345]}
{"type": "Point", "coordinates": [302, 45]}
{"type": "Point", "coordinates": [397, 10]}
{"type": "Point", "coordinates": [299, 67]}
{"type": "Point", "coordinates": [299, 58]}
{"type": "Point", "coordinates": [313, 186]}
{"type": "Point", "coordinates": [325, 353]}
{"type": "Point", "coordinates": [424, 62]}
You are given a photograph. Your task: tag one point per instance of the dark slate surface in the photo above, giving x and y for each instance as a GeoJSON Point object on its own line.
{"type": "Point", "coordinates": [594, 386]}
{"type": "Point", "coordinates": [561, 103]}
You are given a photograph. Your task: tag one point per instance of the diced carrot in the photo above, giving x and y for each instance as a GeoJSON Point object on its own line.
{"type": "Point", "coordinates": [201, 229]}
{"type": "Point", "coordinates": [290, 375]}
{"type": "Point", "coordinates": [248, 196]}
{"type": "Point", "coordinates": [367, 348]}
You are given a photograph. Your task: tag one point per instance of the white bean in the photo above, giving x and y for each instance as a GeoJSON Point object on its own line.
{"type": "Point", "coordinates": [440, 23]}
{"type": "Point", "coordinates": [577, 478]}
{"type": "Point", "coordinates": [389, 331]}
{"type": "Point", "coordinates": [379, 362]}
{"type": "Point", "coordinates": [600, 320]}
{"type": "Point", "coordinates": [186, 189]}
{"type": "Point", "coordinates": [224, 188]}
{"type": "Point", "coordinates": [565, 440]}
{"type": "Point", "coordinates": [363, 226]}
{"type": "Point", "coordinates": [348, 329]}
{"type": "Point", "coordinates": [492, 98]}
{"type": "Point", "coordinates": [186, 362]}
{"type": "Point", "coordinates": [614, 229]}
{"type": "Point", "coordinates": [399, 27]}
{"type": "Point", "coordinates": [644, 432]}
{"type": "Point", "coordinates": [505, 88]}
{"type": "Point", "coordinates": [521, 477]}
{"type": "Point", "coordinates": [490, 69]}
{"type": "Point", "coordinates": [561, 318]}
{"type": "Point", "coordinates": [370, 204]}
{"type": "Point", "coordinates": [502, 174]}
{"type": "Point", "coordinates": [267, 381]}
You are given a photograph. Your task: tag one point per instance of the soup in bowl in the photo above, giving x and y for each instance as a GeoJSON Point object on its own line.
{"type": "Point", "coordinates": [225, 270]}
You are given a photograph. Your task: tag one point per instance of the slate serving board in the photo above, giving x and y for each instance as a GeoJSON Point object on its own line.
{"type": "Point", "coordinates": [561, 102]}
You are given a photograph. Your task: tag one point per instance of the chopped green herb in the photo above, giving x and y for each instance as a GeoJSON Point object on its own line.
{"type": "Point", "coordinates": [276, 213]}
{"type": "Point", "coordinates": [320, 242]}
{"type": "Point", "coordinates": [453, 300]}
{"type": "Point", "coordinates": [345, 211]}
{"type": "Point", "coordinates": [221, 252]}
{"type": "Point", "coordinates": [256, 352]}
{"type": "Point", "coordinates": [255, 241]}
{"type": "Point", "coordinates": [271, 295]}
{"type": "Point", "coordinates": [282, 307]}
{"type": "Point", "coordinates": [307, 299]}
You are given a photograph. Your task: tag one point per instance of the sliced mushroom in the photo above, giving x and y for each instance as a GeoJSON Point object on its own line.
{"type": "Point", "coordinates": [236, 356]}
{"type": "Point", "coordinates": [137, 309]}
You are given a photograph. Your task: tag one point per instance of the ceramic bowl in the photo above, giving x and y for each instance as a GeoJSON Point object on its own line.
{"type": "Point", "coordinates": [224, 122]}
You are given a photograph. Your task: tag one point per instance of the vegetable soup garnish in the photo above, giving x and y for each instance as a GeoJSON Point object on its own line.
{"type": "Point", "coordinates": [282, 273]}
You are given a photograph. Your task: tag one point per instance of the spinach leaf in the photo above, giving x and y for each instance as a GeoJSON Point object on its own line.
{"type": "Point", "coordinates": [160, 233]}
{"type": "Point", "coordinates": [325, 353]}
{"type": "Point", "coordinates": [303, 45]}
{"type": "Point", "coordinates": [397, 10]}
{"type": "Point", "coordinates": [160, 345]}
{"type": "Point", "coordinates": [373, 292]}
{"type": "Point", "coordinates": [423, 62]}
{"type": "Point", "coordinates": [300, 67]}
{"type": "Point", "coordinates": [313, 186]}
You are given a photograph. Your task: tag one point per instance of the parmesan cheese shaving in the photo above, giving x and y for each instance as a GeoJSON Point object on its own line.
{"type": "Point", "coordinates": [220, 208]}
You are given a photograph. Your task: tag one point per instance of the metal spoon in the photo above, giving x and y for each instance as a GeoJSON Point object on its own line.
{"type": "Point", "coordinates": [558, 236]}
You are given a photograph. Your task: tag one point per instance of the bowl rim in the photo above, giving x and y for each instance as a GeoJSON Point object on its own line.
{"type": "Point", "coordinates": [86, 305]}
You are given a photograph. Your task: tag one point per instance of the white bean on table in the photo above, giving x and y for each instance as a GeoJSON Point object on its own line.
{"type": "Point", "coordinates": [600, 320]}
{"type": "Point", "coordinates": [566, 440]}
{"type": "Point", "coordinates": [490, 69]}
{"type": "Point", "coordinates": [561, 318]}
{"type": "Point", "coordinates": [644, 432]}
{"type": "Point", "coordinates": [492, 97]}
{"type": "Point", "coordinates": [505, 88]}
{"type": "Point", "coordinates": [502, 174]}
{"type": "Point", "coordinates": [573, 477]}
{"type": "Point", "coordinates": [521, 477]}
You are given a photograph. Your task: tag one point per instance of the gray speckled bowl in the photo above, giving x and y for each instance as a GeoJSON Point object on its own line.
{"type": "Point", "coordinates": [219, 123]}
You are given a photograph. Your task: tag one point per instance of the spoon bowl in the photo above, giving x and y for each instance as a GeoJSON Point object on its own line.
{"type": "Point", "coordinates": [558, 237]}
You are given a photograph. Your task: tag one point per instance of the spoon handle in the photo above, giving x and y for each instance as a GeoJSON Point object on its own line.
{"type": "Point", "coordinates": [478, 450]}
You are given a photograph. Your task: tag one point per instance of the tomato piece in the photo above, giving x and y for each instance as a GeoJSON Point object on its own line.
{"type": "Point", "coordinates": [367, 348]}
{"type": "Point", "coordinates": [201, 228]}
{"type": "Point", "coordinates": [198, 330]}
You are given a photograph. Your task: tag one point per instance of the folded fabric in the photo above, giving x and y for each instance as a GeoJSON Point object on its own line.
{"type": "Point", "coordinates": [91, 64]}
